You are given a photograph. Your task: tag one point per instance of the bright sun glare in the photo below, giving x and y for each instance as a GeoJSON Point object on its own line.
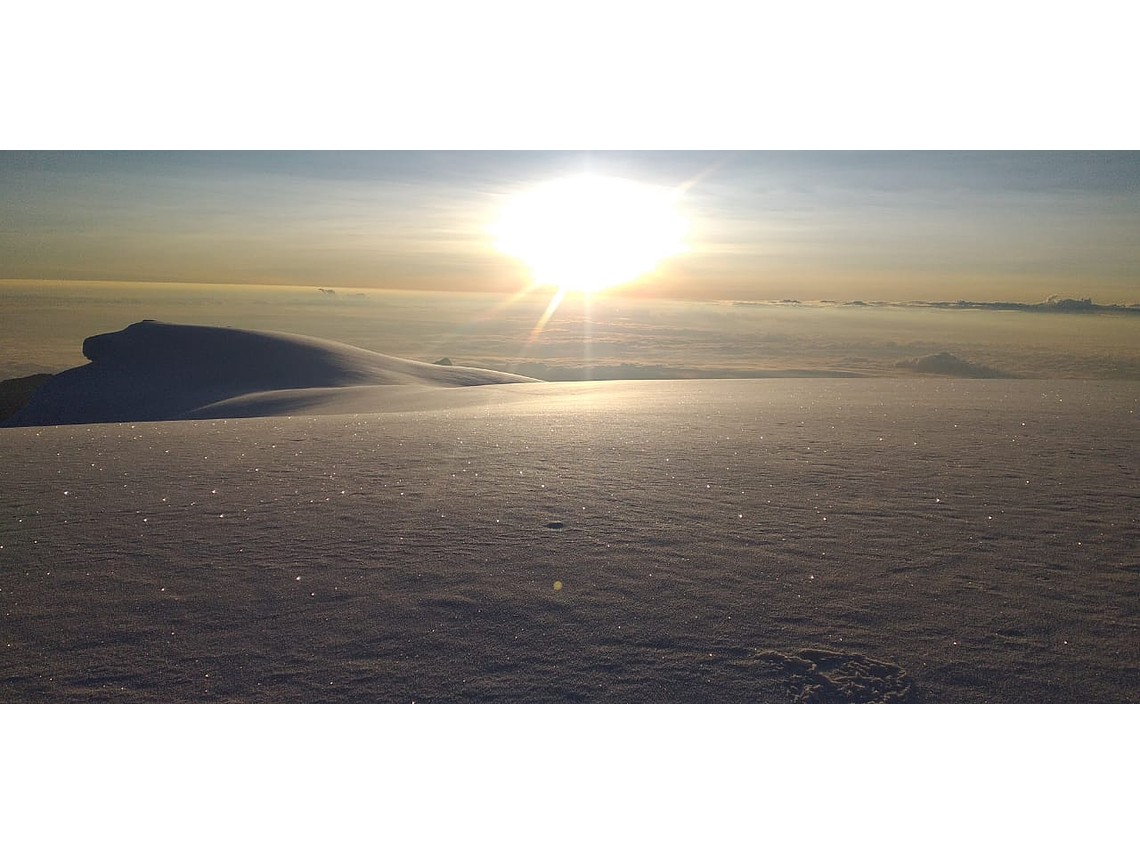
{"type": "Point", "coordinates": [588, 233]}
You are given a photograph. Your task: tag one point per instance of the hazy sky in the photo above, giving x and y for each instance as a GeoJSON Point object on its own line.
{"type": "Point", "coordinates": [823, 225]}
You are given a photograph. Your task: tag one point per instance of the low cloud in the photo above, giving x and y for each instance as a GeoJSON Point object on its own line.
{"type": "Point", "coordinates": [949, 365]}
{"type": "Point", "coordinates": [1054, 304]}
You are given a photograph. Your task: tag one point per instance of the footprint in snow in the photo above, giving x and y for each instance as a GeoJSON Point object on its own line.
{"type": "Point", "coordinates": [827, 676]}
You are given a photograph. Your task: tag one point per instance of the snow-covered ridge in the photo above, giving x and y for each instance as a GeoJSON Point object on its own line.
{"type": "Point", "coordinates": [154, 371]}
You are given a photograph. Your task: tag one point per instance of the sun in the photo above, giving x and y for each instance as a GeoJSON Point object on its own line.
{"type": "Point", "coordinates": [588, 232]}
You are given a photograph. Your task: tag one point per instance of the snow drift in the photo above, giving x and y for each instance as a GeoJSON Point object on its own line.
{"type": "Point", "coordinates": [154, 371]}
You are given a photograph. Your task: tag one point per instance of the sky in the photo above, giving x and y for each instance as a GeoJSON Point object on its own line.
{"type": "Point", "coordinates": [824, 225]}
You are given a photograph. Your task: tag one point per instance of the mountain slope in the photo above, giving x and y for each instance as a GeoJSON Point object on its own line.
{"type": "Point", "coordinates": [154, 371]}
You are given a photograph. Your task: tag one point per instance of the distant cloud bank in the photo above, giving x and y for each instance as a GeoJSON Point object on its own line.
{"type": "Point", "coordinates": [1053, 304]}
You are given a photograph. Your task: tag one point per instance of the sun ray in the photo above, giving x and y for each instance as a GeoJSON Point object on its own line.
{"type": "Point", "coordinates": [551, 308]}
{"type": "Point", "coordinates": [587, 336]}
{"type": "Point", "coordinates": [584, 234]}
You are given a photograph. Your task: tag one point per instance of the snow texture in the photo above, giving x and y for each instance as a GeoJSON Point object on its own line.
{"type": "Point", "coordinates": [926, 540]}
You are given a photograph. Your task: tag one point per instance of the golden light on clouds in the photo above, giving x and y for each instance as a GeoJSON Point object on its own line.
{"type": "Point", "coordinates": [588, 232]}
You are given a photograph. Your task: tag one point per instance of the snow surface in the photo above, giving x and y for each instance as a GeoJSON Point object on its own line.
{"type": "Point", "coordinates": [738, 540]}
{"type": "Point", "coordinates": [154, 371]}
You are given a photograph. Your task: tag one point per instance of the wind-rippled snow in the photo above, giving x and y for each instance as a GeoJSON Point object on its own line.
{"type": "Point", "coordinates": [756, 540]}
